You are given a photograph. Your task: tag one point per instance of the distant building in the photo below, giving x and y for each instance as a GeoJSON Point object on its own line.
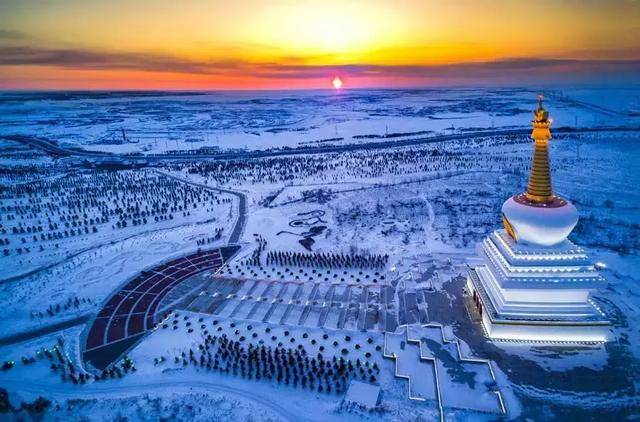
{"type": "Point", "coordinates": [534, 284]}
{"type": "Point", "coordinates": [114, 163]}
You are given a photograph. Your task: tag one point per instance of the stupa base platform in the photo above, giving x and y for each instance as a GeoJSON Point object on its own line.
{"type": "Point", "coordinates": [540, 329]}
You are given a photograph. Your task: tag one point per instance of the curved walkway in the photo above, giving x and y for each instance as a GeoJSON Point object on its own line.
{"type": "Point", "coordinates": [241, 220]}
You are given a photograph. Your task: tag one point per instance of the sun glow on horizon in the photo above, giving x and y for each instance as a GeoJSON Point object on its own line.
{"type": "Point", "coordinates": [337, 83]}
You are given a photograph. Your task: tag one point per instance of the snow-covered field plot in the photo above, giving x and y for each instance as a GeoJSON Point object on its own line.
{"type": "Point", "coordinates": [319, 193]}
{"type": "Point", "coordinates": [408, 190]}
{"type": "Point", "coordinates": [182, 330]}
{"type": "Point", "coordinates": [600, 174]}
{"type": "Point", "coordinates": [165, 402]}
{"type": "Point", "coordinates": [360, 168]}
{"type": "Point", "coordinates": [46, 221]}
{"type": "Point", "coordinates": [334, 306]}
{"type": "Point", "coordinates": [420, 374]}
{"type": "Point", "coordinates": [312, 358]}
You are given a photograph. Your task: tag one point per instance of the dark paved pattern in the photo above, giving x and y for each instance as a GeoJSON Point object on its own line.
{"type": "Point", "coordinates": [132, 311]}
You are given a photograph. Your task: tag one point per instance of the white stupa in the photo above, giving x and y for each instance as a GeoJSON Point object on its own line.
{"type": "Point", "coordinates": [534, 284]}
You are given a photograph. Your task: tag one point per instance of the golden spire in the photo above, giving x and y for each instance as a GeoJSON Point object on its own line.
{"type": "Point", "coordinates": [539, 187]}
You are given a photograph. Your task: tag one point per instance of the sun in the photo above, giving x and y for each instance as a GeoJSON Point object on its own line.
{"type": "Point", "coordinates": [337, 83]}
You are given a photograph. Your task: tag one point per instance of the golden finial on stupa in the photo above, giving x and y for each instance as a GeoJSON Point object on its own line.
{"type": "Point", "coordinates": [539, 186]}
{"type": "Point", "coordinates": [541, 115]}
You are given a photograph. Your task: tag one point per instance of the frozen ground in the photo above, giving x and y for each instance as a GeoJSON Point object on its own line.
{"type": "Point", "coordinates": [160, 122]}
{"type": "Point", "coordinates": [424, 206]}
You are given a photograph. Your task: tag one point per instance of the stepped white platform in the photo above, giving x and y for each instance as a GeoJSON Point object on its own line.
{"type": "Point", "coordinates": [536, 293]}
{"type": "Point", "coordinates": [439, 368]}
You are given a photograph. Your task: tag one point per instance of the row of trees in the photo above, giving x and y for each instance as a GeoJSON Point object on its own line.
{"type": "Point", "coordinates": [217, 234]}
{"type": "Point", "coordinates": [327, 260]}
{"type": "Point", "coordinates": [256, 255]}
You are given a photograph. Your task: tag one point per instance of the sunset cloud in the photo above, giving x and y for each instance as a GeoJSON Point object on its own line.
{"type": "Point", "coordinates": [81, 59]}
{"type": "Point", "coordinates": [255, 44]}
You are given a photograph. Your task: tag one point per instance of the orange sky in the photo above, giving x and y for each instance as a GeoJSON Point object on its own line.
{"type": "Point", "coordinates": [249, 44]}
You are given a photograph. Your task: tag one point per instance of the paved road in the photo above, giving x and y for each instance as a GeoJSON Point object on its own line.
{"type": "Point", "coordinates": [53, 148]}
{"type": "Point", "coordinates": [43, 331]}
{"type": "Point", "coordinates": [241, 221]}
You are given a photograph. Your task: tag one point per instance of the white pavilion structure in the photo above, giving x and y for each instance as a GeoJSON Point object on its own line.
{"type": "Point", "coordinates": [533, 283]}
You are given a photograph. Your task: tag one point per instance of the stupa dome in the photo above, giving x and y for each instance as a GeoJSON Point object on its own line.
{"type": "Point", "coordinates": [544, 224]}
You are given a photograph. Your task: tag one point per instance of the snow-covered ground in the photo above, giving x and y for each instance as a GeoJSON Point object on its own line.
{"type": "Point", "coordinates": [425, 206]}
{"type": "Point", "coordinates": [160, 122]}
{"type": "Point", "coordinates": [60, 217]}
